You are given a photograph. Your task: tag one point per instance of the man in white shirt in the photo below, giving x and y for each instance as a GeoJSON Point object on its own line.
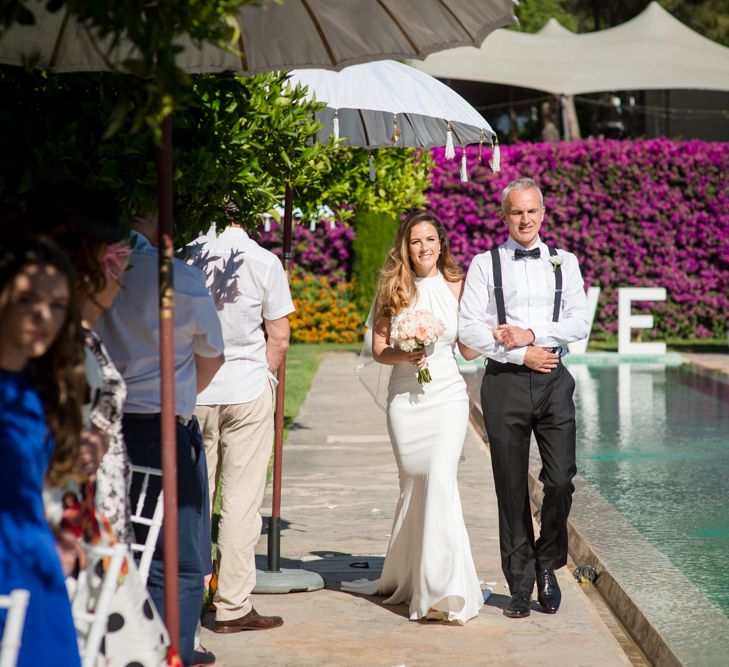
{"type": "Point", "coordinates": [522, 303]}
{"type": "Point", "coordinates": [131, 332]}
{"type": "Point", "coordinates": [251, 293]}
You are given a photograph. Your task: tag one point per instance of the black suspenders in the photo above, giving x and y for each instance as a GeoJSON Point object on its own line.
{"type": "Point", "coordinates": [499, 286]}
{"type": "Point", "coordinates": [557, 287]}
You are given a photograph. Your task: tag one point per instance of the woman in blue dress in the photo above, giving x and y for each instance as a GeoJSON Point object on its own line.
{"type": "Point", "coordinates": [41, 386]}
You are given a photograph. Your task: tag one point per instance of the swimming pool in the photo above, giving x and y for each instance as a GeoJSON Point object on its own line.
{"type": "Point", "coordinates": [652, 499]}
{"type": "Point", "coordinates": [654, 442]}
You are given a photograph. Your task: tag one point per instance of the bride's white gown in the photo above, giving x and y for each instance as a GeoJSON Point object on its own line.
{"type": "Point", "coordinates": [429, 564]}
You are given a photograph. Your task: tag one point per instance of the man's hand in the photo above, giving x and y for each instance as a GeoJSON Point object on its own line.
{"type": "Point", "coordinates": [510, 336]}
{"type": "Point", "coordinates": [538, 359]}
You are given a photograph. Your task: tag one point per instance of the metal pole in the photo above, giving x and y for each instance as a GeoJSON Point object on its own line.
{"type": "Point", "coordinates": [566, 125]}
{"type": "Point", "coordinates": [275, 579]}
{"type": "Point", "coordinates": [274, 525]}
{"type": "Point", "coordinates": [168, 423]}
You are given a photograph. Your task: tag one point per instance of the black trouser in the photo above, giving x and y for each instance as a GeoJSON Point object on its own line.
{"type": "Point", "coordinates": [142, 436]}
{"type": "Point", "coordinates": [517, 401]}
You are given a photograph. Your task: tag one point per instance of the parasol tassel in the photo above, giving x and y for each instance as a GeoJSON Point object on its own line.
{"type": "Point", "coordinates": [373, 173]}
{"type": "Point", "coordinates": [495, 162]}
{"type": "Point", "coordinates": [464, 166]}
{"type": "Point", "coordinates": [332, 223]}
{"type": "Point", "coordinates": [450, 151]}
{"type": "Point", "coordinates": [335, 123]}
{"type": "Point", "coordinates": [395, 130]}
{"type": "Point", "coordinates": [480, 146]}
{"type": "Point", "coordinates": [312, 225]}
{"type": "Point", "coordinates": [266, 223]}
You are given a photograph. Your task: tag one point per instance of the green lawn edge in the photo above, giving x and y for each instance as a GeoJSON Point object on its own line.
{"type": "Point", "coordinates": [302, 363]}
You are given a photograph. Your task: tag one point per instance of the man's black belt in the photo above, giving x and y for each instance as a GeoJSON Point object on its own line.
{"type": "Point", "coordinates": [151, 416]}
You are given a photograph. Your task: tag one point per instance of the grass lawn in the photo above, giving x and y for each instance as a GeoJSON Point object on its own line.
{"type": "Point", "coordinates": [699, 345]}
{"type": "Point", "coordinates": [302, 362]}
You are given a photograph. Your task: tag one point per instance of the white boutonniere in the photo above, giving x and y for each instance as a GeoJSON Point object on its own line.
{"type": "Point", "coordinates": [555, 261]}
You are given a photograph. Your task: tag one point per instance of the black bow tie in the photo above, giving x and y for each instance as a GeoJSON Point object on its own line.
{"type": "Point", "coordinates": [519, 253]}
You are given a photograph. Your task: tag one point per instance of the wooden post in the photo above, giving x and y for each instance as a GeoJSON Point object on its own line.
{"type": "Point", "coordinates": [168, 422]}
{"type": "Point", "coordinates": [274, 525]}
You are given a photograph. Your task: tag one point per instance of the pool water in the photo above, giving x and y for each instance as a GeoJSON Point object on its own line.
{"type": "Point", "coordinates": [654, 442]}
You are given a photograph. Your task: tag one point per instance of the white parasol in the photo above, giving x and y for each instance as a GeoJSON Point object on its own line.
{"type": "Point", "coordinates": [385, 104]}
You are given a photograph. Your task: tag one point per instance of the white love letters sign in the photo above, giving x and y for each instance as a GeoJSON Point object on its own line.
{"type": "Point", "coordinates": [580, 346]}
{"type": "Point", "coordinates": [626, 320]}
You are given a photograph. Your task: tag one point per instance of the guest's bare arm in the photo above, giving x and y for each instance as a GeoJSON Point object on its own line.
{"type": "Point", "coordinates": [279, 333]}
{"type": "Point", "coordinates": [466, 352]}
{"type": "Point", "coordinates": [385, 353]}
{"type": "Point", "coordinates": [205, 369]}
{"type": "Point", "coordinates": [94, 444]}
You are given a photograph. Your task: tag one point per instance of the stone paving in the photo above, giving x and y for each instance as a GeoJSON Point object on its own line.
{"type": "Point", "coordinates": [712, 362]}
{"type": "Point", "coordinates": [339, 494]}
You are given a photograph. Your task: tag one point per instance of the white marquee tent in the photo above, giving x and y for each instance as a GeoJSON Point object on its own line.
{"type": "Point", "coordinates": [652, 51]}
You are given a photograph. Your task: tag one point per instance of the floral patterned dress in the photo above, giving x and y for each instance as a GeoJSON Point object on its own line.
{"type": "Point", "coordinates": [112, 477]}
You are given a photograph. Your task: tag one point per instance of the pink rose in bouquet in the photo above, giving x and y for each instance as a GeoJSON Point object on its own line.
{"type": "Point", "coordinates": [415, 331]}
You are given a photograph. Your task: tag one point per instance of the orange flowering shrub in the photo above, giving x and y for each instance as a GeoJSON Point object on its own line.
{"type": "Point", "coordinates": [325, 311]}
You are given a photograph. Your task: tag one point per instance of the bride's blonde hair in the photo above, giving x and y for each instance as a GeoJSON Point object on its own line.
{"type": "Point", "coordinates": [396, 288]}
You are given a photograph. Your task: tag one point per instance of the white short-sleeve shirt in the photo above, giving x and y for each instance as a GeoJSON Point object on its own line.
{"type": "Point", "coordinates": [130, 331]}
{"type": "Point", "coordinates": [248, 284]}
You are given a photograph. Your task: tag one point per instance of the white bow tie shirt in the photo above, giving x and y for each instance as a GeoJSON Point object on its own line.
{"type": "Point", "coordinates": [529, 291]}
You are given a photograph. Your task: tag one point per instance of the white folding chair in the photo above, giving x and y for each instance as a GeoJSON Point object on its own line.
{"type": "Point", "coordinates": [16, 603]}
{"type": "Point", "coordinates": [154, 524]}
{"type": "Point", "coordinates": [91, 611]}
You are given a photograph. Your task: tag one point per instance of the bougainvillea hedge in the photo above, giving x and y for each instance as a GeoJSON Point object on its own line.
{"type": "Point", "coordinates": [651, 213]}
{"type": "Point", "coordinates": [325, 251]}
{"type": "Point", "coordinates": [648, 213]}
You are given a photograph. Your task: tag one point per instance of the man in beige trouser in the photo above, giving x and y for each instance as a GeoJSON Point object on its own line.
{"type": "Point", "coordinates": [235, 412]}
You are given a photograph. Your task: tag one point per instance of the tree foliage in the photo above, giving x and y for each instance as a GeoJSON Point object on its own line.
{"type": "Point", "coordinates": [709, 18]}
{"type": "Point", "coordinates": [534, 14]}
{"type": "Point", "coordinates": [155, 29]}
{"type": "Point", "coordinates": [239, 140]}
{"type": "Point", "coordinates": [375, 234]}
{"type": "Point", "coordinates": [401, 179]}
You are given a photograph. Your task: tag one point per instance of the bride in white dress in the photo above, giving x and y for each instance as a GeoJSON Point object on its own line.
{"type": "Point", "coordinates": [428, 564]}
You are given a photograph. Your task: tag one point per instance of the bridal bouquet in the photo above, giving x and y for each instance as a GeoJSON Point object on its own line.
{"type": "Point", "coordinates": [415, 331]}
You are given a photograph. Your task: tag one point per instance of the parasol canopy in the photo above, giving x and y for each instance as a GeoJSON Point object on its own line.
{"type": "Point", "coordinates": [385, 103]}
{"type": "Point", "coordinates": [273, 36]}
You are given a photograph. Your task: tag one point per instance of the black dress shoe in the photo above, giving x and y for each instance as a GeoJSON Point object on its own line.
{"type": "Point", "coordinates": [548, 592]}
{"type": "Point", "coordinates": [202, 658]}
{"type": "Point", "coordinates": [518, 606]}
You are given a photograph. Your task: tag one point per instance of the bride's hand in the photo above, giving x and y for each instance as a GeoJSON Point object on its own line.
{"type": "Point", "coordinates": [417, 359]}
